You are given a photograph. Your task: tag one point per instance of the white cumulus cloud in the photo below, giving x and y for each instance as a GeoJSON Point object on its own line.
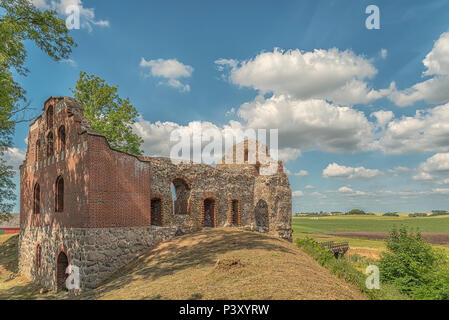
{"type": "Point", "coordinates": [335, 75]}
{"type": "Point", "coordinates": [171, 70]}
{"type": "Point", "coordinates": [426, 131]}
{"type": "Point", "coordinates": [156, 136]}
{"type": "Point", "coordinates": [347, 190]}
{"type": "Point", "coordinates": [310, 124]}
{"type": "Point", "coordinates": [438, 163]}
{"type": "Point", "coordinates": [335, 170]}
{"type": "Point", "coordinates": [434, 90]}
{"type": "Point", "coordinates": [301, 173]}
{"type": "Point", "coordinates": [297, 193]}
{"type": "Point", "coordinates": [423, 176]}
{"type": "Point", "coordinates": [14, 157]}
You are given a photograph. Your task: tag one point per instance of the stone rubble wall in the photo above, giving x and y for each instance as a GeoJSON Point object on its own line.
{"type": "Point", "coordinates": [275, 190]}
{"type": "Point", "coordinates": [205, 181]}
{"type": "Point", "coordinates": [97, 252]}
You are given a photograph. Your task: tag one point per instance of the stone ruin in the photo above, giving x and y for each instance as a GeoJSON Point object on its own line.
{"type": "Point", "coordinates": [86, 204]}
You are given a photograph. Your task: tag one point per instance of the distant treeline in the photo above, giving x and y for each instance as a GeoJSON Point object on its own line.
{"type": "Point", "coordinates": [390, 214]}
{"type": "Point", "coordinates": [333, 213]}
{"type": "Point", "coordinates": [433, 213]}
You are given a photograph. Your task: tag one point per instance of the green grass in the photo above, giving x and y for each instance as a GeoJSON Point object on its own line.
{"type": "Point", "coordinates": [368, 223]}
{"type": "Point", "coordinates": [356, 242]}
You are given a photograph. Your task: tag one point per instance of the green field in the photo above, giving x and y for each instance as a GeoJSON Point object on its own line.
{"type": "Point", "coordinates": [368, 224]}
{"type": "Point", "coordinates": [320, 228]}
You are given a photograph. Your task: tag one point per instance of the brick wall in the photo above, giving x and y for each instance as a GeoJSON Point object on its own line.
{"type": "Point", "coordinates": [68, 162]}
{"type": "Point", "coordinates": [102, 187]}
{"type": "Point", "coordinates": [119, 187]}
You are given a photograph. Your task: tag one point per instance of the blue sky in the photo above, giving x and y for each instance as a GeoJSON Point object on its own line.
{"type": "Point", "coordinates": [186, 61]}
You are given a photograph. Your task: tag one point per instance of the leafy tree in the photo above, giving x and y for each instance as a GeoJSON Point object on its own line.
{"type": "Point", "coordinates": [108, 113]}
{"type": "Point", "coordinates": [21, 21]}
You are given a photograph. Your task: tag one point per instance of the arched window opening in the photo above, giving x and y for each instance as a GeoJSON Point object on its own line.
{"type": "Point", "coordinates": [261, 212]}
{"type": "Point", "coordinates": [235, 213]}
{"type": "Point", "coordinates": [59, 195]}
{"type": "Point", "coordinates": [37, 199]}
{"type": "Point", "coordinates": [209, 213]}
{"type": "Point", "coordinates": [38, 256]}
{"type": "Point", "coordinates": [156, 212]}
{"type": "Point", "coordinates": [181, 195]}
{"type": "Point", "coordinates": [61, 138]}
{"type": "Point", "coordinates": [50, 144]}
{"type": "Point", "coordinates": [37, 150]}
{"type": "Point", "coordinates": [50, 117]}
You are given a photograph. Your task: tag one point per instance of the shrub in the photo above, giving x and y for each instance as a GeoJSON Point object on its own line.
{"type": "Point", "coordinates": [344, 269]}
{"type": "Point", "coordinates": [437, 285]}
{"type": "Point", "coordinates": [439, 213]}
{"type": "Point", "coordinates": [356, 211]}
{"type": "Point", "coordinates": [417, 214]}
{"type": "Point", "coordinates": [411, 264]}
{"type": "Point", "coordinates": [390, 214]}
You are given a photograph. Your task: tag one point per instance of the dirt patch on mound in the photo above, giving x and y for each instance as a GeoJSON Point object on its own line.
{"type": "Point", "coordinates": [228, 264]}
{"type": "Point", "coordinates": [370, 253]}
{"type": "Point", "coordinates": [441, 238]}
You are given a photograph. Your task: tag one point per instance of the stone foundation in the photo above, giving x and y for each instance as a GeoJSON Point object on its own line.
{"type": "Point", "coordinates": [97, 252]}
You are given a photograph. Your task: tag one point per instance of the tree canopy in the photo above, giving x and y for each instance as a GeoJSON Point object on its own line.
{"type": "Point", "coordinates": [21, 21]}
{"type": "Point", "coordinates": [108, 113]}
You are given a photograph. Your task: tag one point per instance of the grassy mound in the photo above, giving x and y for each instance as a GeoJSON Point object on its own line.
{"type": "Point", "coordinates": [212, 264]}
{"type": "Point", "coordinates": [225, 264]}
